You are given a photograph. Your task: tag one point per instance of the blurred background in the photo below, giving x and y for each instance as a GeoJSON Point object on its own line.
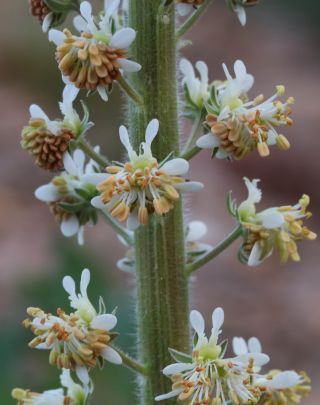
{"type": "Point", "coordinates": [278, 304]}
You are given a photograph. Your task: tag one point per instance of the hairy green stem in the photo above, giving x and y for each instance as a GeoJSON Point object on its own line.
{"type": "Point", "coordinates": [92, 154]}
{"type": "Point", "coordinates": [130, 91]}
{"type": "Point", "coordinates": [119, 229]}
{"type": "Point", "coordinates": [131, 363]}
{"type": "Point", "coordinates": [216, 250]}
{"type": "Point", "coordinates": [192, 19]}
{"type": "Point", "coordinates": [162, 283]}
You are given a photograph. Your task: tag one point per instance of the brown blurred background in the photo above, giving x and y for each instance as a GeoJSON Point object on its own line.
{"type": "Point", "coordinates": [278, 304]}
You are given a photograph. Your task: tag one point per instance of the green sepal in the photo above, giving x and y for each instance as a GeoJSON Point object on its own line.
{"type": "Point", "coordinates": [86, 195]}
{"type": "Point", "coordinates": [72, 208]}
{"type": "Point", "coordinates": [224, 346]}
{"type": "Point", "coordinates": [232, 205]}
{"type": "Point", "coordinates": [180, 357]}
{"type": "Point", "coordinates": [60, 6]}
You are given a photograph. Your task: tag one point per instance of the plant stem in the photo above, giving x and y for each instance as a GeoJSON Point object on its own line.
{"type": "Point", "coordinates": [193, 135]}
{"type": "Point", "coordinates": [162, 284]}
{"type": "Point", "coordinates": [131, 92]}
{"type": "Point", "coordinates": [131, 363]}
{"type": "Point", "coordinates": [119, 229]}
{"type": "Point", "coordinates": [191, 153]}
{"type": "Point", "coordinates": [192, 19]}
{"type": "Point", "coordinates": [89, 151]}
{"type": "Point", "coordinates": [216, 250]}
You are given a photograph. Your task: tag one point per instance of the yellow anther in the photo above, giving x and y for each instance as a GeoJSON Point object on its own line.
{"type": "Point", "coordinates": [281, 90]}
{"type": "Point", "coordinates": [282, 142]}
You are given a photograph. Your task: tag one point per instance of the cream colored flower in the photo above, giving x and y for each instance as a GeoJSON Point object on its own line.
{"type": "Point", "coordinates": [142, 186]}
{"type": "Point", "coordinates": [277, 228]}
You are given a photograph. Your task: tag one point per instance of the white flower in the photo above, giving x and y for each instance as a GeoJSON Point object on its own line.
{"type": "Point", "coordinates": [209, 376]}
{"type": "Point", "coordinates": [239, 126]}
{"type": "Point", "coordinates": [97, 62]}
{"type": "Point", "coordinates": [65, 189]}
{"type": "Point", "coordinates": [78, 340]}
{"type": "Point", "coordinates": [198, 90]}
{"type": "Point", "coordinates": [133, 190]}
{"type": "Point", "coordinates": [276, 227]}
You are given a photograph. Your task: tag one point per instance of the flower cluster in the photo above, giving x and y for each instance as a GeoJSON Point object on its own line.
{"type": "Point", "coordinates": [194, 249]}
{"type": "Point", "coordinates": [277, 228]}
{"type": "Point", "coordinates": [93, 60]}
{"type": "Point", "coordinates": [79, 340]}
{"type": "Point", "coordinates": [51, 13]}
{"type": "Point", "coordinates": [69, 194]}
{"type": "Point", "coordinates": [184, 7]}
{"type": "Point", "coordinates": [208, 377]}
{"type": "Point", "coordinates": [47, 140]}
{"type": "Point", "coordinates": [236, 125]}
{"type": "Point", "coordinates": [73, 394]}
{"type": "Point", "coordinates": [142, 186]}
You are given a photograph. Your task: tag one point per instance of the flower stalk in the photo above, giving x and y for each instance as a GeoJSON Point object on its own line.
{"type": "Point", "coordinates": [162, 285]}
{"type": "Point", "coordinates": [131, 363]}
{"type": "Point", "coordinates": [92, 154]}
{"type": "Point", "coordinates": [194, 17]}
{"type": "Point", "coordinates": [234, 235]}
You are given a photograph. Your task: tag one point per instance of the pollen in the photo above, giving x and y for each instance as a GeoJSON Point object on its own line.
{"type": "Point", "coordinates": [88, 63]}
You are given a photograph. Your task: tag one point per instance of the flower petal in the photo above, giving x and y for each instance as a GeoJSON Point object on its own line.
{"type": "Point", "coordinates": [133, 222]}
{"type": "Point", "coordinates": [69, 164]}
{"type": "Point", "coordinates": [56, 36]}
{"type": "Point", "coordinates": [239, 346]}
{"type": "Point", "coordinates": [255, 255]}
{"type": "Point", "coordinates": [184, 9]}
{"type": "Point", "coordinates": [124, 138]}
{"type": "Point", "coordinates": [177, 368]}
{"type": "Point", "coordinates": [123, 38]}
{"type": "Point", "coordinates": [86, 10]}
{"type": "Point", "coordinates": [111, 8]}
{"type": "Point", "coordinates": [176, 167]}
{"type": "Point", "coordinates": [95, 178]}
{"type": "Point", "coordinates": [85, 280]}
{"type": "Point", "coordinates": [69, 227]}
{"type": "Point", "coordinates": [103, 93]}
{"type": "Point", "coordinates": [189, 186]}
{"type": "Point", "coordinates": [259, 359]}
{"type": "Point", "coordinates": [197, 322]}
{"type": "Point", "coordinates": [196, 231]}
{"type": "Point", "coordinates": [37, 112]}
{"type": "Point", "coordinates": [285, 379]}
{"type": "Point", "coordinates": [171, 394]}
{"type": "Point", "coordinates": [69, 286]}
{"type": "Point", "coordinates": [151, 131]}
{"type": "Point", "coordinates": [79, 23]}
{"type": "Point", "coordinates": [96, 202]}
{"type": "Point", "coordinates": [187, 69]}
{"type": "Point", "coordinates": [203, 70]}
{"type": "Point", "coordinates": [254, 345]}
{"type": "Point", "coordinates": [83, 375]}
{"type": "Point", "coordinates": [104, 322]}
{"type": "Point", "coordinates": [111, 355]}
{"type": "Point", "coordinates": [217, 320]}
{"type": "Point", "coordinates": [47, 22]}
{"type": "Point", "coordinates": [208, 141]}
{"type": "Point", "coordinates": [271, 218]}
{"type": "Point", "coordinates": [47, 193]}
{"type": "Point", "coordinates": [129, 66]}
